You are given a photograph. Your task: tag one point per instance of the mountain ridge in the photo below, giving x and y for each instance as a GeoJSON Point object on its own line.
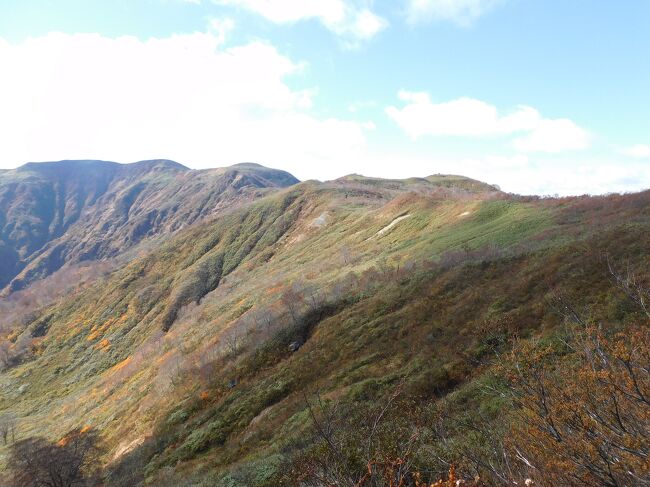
{"type": "Point", "coordinates": [72, 211]}
{"type": "Point", "coordinates": [71, 164]}
{"type": "Point", "coordinates": [197, 360]}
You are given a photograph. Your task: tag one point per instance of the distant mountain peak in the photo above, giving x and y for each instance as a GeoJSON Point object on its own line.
{"type": "Point", "coordinates": [162, 163]}
{"type": "Point", "coordinates": [247, 164]}
{"type": "Point", "coordinates": [90, 164]}
{"type": "Point", "coordinates": [265, 176]}
{"type": "Point", "coordinates": [66, 164]}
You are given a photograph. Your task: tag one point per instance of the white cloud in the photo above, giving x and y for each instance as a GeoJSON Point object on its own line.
{"type": "Point", "coordinates": [461, 12]}
{"type": "Point", "coordinates": [554, 136]}
{"type": "Point", "coordinates": [639, 151]}
{"type": "Point", "coordinates": [366, 24]}
{"type": "Point", "coordinates": [185, 97]}
{"type": "Point", "coordinates": [460, 117]}
{"type": "Point", "coordinates": [468, 117]}
{"type": "Point", "coordinates": [339, 16]}
{"type": "Point", "coordinates": [191, 99]}
{"type": "Point", "coordinates": [221, 27]}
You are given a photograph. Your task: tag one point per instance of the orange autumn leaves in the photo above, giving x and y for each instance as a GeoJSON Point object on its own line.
{"type": "Point", "coordinates": [587, 420]}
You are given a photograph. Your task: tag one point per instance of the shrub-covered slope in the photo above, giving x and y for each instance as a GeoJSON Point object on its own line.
{"type": "Point", "coordinates": [74, 211]}
{"type": "Point", "coordinates": [194, 361]}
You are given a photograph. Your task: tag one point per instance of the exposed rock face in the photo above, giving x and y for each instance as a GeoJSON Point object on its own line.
{"type": "Point", "coordinates": [63, 212]}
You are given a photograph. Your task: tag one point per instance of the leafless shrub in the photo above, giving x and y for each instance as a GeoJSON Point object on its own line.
{"type": "Point", "coordinates": [629, 282]}
{"type": "Point", "coordinates": [585, 421]}
{"type": "Point", "coordinates": [233, 341]}
{"type": "Point", "coordinates": [293, 299]}
{"type": "Point", "coordinates": [35, 462]}
{"type": "Point", "coordinates": [373, 447]}
{"type": "Point", "coordinates": [265, 319]}
{"type": "Point", "coordinates": [7, 427]}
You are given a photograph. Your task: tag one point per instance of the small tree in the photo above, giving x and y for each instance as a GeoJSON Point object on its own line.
{"type": "Point", "coordinates": [7, 428]}
{"type": "Point", "coordinates": [629, 282]}
{"type": "Point", "coordinates": [232, 341]}
{"type": "Point", "coordinates": [292, 299]}
{"type": "Point", "coordinates": [314, 297]}
{"type": "Point", "coordinates": [264, 319]}
{"type": "Point", "coordinates": [346, 255]}
{"type": "Point", "coordinates": [5, 353]}
{"type": "Point", "coordinates": [35, 462]}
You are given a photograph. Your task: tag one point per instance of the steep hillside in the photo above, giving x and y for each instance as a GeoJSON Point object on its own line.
{"type": "Point", "coordinates": [195, 362]}
{"type": "Point", "coordinates": [74, 211]}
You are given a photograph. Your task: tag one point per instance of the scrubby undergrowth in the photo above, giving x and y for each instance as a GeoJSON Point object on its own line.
{"type": "Point", "coordinates": [213, 359]}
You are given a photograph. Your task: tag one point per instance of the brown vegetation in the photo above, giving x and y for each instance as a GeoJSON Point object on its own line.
{"type": "Point", "coordinates": [72, 461]}
{"type": "Point", "coordinates": [584, 420]}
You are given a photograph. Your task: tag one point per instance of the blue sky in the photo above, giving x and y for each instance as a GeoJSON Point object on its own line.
{"type": "Point", "coordinates": [539, 96]}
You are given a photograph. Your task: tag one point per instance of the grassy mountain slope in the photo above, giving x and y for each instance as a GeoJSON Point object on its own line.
{"type": "Point", "coordinates": [186, 362]}
{"type": "Point", "coordinates": [74, 211]}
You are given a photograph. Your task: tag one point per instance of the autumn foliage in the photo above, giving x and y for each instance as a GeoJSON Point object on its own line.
{"type": "Point", "coordinates": [579, 414]}
{"type": "Point", "coordinates": [72, 461]}
{"type": "Point", "coordinates": [586, 419]}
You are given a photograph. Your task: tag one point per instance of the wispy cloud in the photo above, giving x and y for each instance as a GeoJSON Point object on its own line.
{"type": "Point", "coordinates": [639, 151]}
{"type": "Point", "coordinates": [468, 117]}
{"type": "Point", "coordinates": [221, 28]}
{"type": "Point", "coordinates": [351, 20]}
{"type": "Point", "coordinates": [461, 12]}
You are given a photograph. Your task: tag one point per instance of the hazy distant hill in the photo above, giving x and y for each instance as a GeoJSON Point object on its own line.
{"type": "Point", "coordinates": [71, 211]}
